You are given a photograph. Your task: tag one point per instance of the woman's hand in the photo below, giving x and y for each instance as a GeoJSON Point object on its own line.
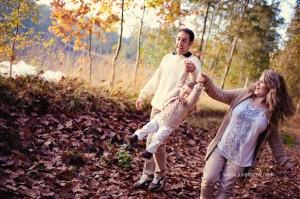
{"type": "Point", "coordinates": [202, 78]}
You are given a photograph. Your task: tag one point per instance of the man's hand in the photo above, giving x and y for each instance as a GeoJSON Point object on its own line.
{"type": "Point", "coordinates": [139, 104]}
{"type": "Point", "coordinates": [189, 66]}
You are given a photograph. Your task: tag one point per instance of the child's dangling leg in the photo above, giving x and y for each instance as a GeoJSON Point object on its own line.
{"type": "Point", "coordinates": [150, 127]}
{"type": "Point", "coordinates": [158, 138]}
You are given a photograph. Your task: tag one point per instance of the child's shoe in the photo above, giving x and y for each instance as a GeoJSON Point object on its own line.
{"type": "Point", "coordinates": [143, 182]}
{"type": "Point", "coordinates": [133, 139]}
{"type": "Point", "coordinates": [146, 154]}
{"type": "Point", "coordinates": [157, 184]}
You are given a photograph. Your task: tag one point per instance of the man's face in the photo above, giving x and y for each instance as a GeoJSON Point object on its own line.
{"type": "Point", "coordinates": [182, 43]}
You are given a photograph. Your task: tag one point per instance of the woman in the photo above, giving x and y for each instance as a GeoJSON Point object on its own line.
{"type": "Point", "coordinates": [251, 120]}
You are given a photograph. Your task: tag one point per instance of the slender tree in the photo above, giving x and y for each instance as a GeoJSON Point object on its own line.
{"type": "Point", "coordinates": [233, 44]}
{"type": "Point", "coordinates": [208, 34]}
{"type": "Point", "coordinates": [90, 54]}
{"type": "Point", "coordinates": [137, 61]}
{"type": "Point", "coordinates": [118, 48]}
{"type": "Point", "coordinates": [12, 57]}
{"type": "Point", "coordinates": [15, 34]}
{"type": "Point", "coordinates": [203, 31]}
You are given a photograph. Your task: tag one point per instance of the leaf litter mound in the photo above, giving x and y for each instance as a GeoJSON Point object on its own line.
{"type": "Point", "coordinates": [61, 140]}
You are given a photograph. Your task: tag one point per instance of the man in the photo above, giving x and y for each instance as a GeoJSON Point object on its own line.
{"type": "Point", "coordinates": [162, 86]}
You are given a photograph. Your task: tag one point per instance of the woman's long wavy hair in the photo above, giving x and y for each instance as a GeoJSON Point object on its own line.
{"type": "Point", "coordinates": [279, 103]}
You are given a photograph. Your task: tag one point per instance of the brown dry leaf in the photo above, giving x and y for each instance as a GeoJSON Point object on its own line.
{"type": "Point", "coordinates": [69, 124]}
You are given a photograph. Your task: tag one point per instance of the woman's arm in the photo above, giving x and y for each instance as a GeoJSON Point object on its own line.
{"type": "Point", "coordinates": [278, 151]}
{"type": "Point", "coordinates": [225, 96]}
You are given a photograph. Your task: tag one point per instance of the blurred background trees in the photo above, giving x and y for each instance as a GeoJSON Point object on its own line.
{"type": "Point", "coordinates": [15, 19]}
{"type": "Point", "coordinates": [287, 60]}
{"type": "Point", "coordinates": [81, 37]}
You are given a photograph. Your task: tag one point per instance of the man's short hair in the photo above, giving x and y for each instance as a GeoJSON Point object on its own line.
{"type": "Point", "coordinates": [189, 32]}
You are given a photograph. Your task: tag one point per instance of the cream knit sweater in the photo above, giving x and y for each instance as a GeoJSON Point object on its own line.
{"type": "Point", "coordinates": [163, 84]}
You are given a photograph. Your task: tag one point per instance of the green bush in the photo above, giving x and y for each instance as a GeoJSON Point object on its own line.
{"type": "Point", "coordinates": [124, 159]}
{"type": "Point", "coordinates": [288, 139]}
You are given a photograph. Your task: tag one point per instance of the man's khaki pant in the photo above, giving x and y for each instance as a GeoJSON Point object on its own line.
{"type": "Point", "coordinates": [157, 164]}
{"type": "Point", "coordinates": [219, 169]}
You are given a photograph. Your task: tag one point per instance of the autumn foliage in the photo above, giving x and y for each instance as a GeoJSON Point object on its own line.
{"type": "Point", "coordinates": [74, 24]}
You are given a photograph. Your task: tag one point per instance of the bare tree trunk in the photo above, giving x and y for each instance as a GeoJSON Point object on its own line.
{"type": "Point", "coordinates": [13, 54]}
{"type": "Point", "coordinates": [90, 55]}
{"type": "Point", "coordinates": [229, 60]}
{"type": "Point", "coordinates": [44, 58]}
{"type": "Point", "coordinates": [203, 32]}
{"type": "Point", "coordinates": [118, 50]}
{"type": "Point", "coordinates": [233, 45]}
{"type": "Point", "coordinates": [215, 61]}
{"type": "Point", "coordinates": [208, 34]}
{"type": "Point", "coordinates": [138, 53]}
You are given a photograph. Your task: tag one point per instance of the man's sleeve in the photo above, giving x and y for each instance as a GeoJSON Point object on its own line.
{"type": "Point", "coordinates": [151, 86]}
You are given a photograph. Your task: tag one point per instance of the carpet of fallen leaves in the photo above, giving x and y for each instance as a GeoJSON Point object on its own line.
{"type": "Point", "coordinates": [60, 141]}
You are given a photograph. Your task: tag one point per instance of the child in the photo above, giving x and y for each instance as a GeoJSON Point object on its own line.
{"type": "Point", "coordinates": [171, 116]}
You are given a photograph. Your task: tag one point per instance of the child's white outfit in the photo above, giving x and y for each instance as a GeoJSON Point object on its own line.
{"type": "Point", "coordinates": [170, 117]}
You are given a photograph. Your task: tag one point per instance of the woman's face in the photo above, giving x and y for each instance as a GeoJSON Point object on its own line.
{"type": "Point", "coordinates": [261, 89]}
